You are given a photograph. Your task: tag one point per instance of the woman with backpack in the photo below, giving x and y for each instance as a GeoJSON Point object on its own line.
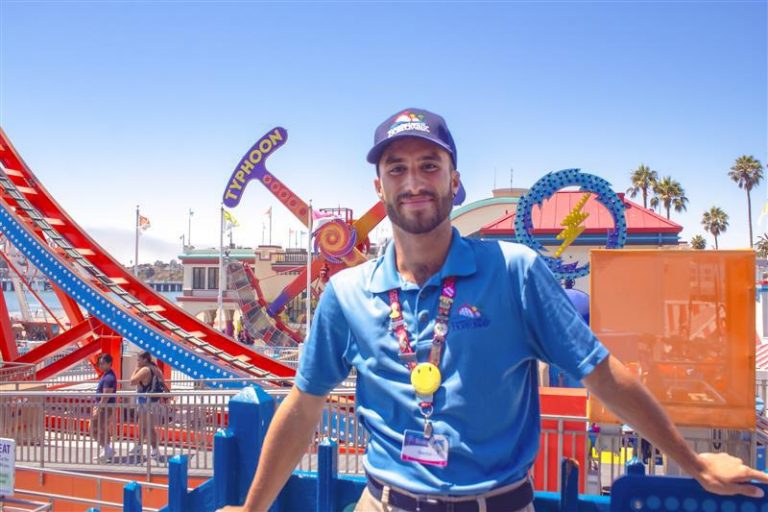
{"type": "Point", "coordinates": [148, 379]}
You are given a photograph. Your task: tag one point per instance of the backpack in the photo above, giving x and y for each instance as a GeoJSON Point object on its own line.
{"type": "Point", "coordinates": [158, 385]}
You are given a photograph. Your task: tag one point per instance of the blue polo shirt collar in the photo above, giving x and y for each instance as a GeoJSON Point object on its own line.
{"type": "Point", "coordinates": [459, 262]}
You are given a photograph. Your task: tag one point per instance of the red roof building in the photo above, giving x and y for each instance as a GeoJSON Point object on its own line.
{"type": "Point", "coordinates": [644, 226]}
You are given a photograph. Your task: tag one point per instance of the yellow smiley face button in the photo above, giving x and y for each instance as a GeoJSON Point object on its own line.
{"type": "Point", "coordinates": [425, 378]}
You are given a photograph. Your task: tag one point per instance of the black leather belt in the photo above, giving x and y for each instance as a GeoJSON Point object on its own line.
{"type": "Point", "coordinates": [516, 499]}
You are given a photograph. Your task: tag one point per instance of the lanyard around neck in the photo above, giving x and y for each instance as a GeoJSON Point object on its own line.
{"type": "Point", "coordinates": [424, 384]}
{"type": "Point", "coordinates": [407, 352]}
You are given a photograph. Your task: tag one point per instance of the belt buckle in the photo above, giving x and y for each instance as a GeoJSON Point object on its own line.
{"type": "Point", "coordinates": [433, 503]}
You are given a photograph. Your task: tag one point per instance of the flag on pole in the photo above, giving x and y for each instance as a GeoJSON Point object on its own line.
{"type": "Point", "coordinates": [144, 223]}
{"type": "Point", "coordinates": [319, 219]}
{"type": "Point", "coordinates": [230, 221]}
{"type": "Point", "coordinates": [268, 212]}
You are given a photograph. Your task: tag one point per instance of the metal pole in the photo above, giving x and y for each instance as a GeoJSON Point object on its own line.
{"type": "Point", "coordinates": [136, 253]}
{"type": "Point", "coordinates": [222, 277]}
{"type": "Point", "coordinates": [189, 227]}
{"type": "Point", "coordinates": [309, 267]}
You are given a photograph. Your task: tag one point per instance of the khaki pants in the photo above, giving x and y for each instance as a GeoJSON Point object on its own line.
{"type": "Point", "coordinates": [368, 503]}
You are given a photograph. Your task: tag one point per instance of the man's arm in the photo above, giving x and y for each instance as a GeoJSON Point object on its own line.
{"type": "Point", "coordinates": [287, 439]}
{"type": "Point", "coordinates": [626, 397]}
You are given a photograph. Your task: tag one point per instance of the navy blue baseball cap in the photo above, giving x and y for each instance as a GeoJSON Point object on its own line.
{"type": "Point", "coordinates": [415, 122]}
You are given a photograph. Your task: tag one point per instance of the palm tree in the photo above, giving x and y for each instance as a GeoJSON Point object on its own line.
{"type": "Point", "coordinates": [669, 193]}
{"type": "Point", "coordinates": [698, 242]}
{"type": "Point", "coordinates": [715, 221]}
{"type": "Point", "coordinates": [762, 246]}
{"type": "Point", "coordinates": [643, 179]}
{"type": "Point", "coordinates": [747, 173]}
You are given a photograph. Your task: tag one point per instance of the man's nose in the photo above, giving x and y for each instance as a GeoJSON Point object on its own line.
{"type": "Point", "coordinates": [413, 182]}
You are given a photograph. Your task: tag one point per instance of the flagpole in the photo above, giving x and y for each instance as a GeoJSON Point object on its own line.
{"type": "Point", "coordinates": [222, 276]}
{"type": "Point", "coordinates": [309, 267]}
{"type": "Point", "coordinates": [189, 227]}
{"type": "Point", "coordinates": [136, 247]}
{"type": "Point", "coordinates": [270, 225]}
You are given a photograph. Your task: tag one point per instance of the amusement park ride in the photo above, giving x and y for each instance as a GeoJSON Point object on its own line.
{"type": "Point", "coordinates": [104, 303]}
{"type": "Point", "coordinates": [340, 240]}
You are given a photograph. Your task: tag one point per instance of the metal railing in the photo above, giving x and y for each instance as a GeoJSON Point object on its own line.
{"type": "Point", "coordinates": [761, 389]}
{"type": "Point", "coordinates": [8, 504]}
{"type": "Point", "coordinates": [15, 372]}
{"type": "Point", "coordinates": [288, 356]}
{"type": "Point", "coordinates": [62, 428]}
{"type": "Point", "coordinates": [57, 429]}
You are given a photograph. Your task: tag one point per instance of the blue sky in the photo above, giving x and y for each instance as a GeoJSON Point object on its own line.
{"type": "Point", "coordinates": [114, 104]}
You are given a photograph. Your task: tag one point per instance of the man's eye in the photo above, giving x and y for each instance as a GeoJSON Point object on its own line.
{"type": "Point", "coordinates": [430, 167]}
{"type": "Point", "coordinates": [396, 170]}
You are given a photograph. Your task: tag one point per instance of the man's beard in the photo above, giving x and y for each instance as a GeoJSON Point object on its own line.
{"type": "Point", "coordinates": [420, 222]}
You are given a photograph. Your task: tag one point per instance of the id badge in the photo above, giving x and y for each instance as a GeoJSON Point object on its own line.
{"type": "Point", "coordinates": [431, 451]}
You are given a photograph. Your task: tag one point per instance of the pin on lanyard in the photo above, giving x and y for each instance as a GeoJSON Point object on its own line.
{"type": "Point", "coordinates": [425, 377]}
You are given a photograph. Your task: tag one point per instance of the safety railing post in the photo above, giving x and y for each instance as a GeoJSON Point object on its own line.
{"type": "Point", "coordinates": [635, 466]}
{"type": "Point", "coordinates": [132, 497]}
{"type": "Point", "coordinates": [225, 464]}
{"type": "Point", "coordinates": [327, 474]}
{"type": "Point", "coordinates": [569, 492]}
{"type": "Point", "coordinates": [250, 413]}
{"type": "Point", "coordinates": [177, 484]}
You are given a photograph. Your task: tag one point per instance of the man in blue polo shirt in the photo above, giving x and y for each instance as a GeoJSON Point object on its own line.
{"type": "Point", "coordinates": [444, 333]}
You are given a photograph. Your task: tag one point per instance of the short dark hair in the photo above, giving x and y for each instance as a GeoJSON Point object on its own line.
{"type": "Point", "coordinates": [146, 355]}
{"type": "Point", "coordinates": [105, 358]}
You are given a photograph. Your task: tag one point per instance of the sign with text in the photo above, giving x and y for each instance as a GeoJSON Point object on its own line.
{"type": "Point", "coordinates": [7, 466]}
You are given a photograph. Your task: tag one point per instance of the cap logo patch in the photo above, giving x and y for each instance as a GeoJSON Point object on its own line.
{"type": "Point", "coordinates": [407, 122]}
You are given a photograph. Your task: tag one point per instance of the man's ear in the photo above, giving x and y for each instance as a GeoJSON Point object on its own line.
{"type": "Point", "coordinates": [377, 186]}
{"type": "Point", "coordinates": [455, 179]}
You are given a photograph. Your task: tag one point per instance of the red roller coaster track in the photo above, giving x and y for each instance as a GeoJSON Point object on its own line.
{"type": "Point", "coordinates": [23, 191]}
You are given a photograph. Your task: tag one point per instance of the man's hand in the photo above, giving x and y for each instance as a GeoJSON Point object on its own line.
{"type": "Point", "coordinates": [725, 474]}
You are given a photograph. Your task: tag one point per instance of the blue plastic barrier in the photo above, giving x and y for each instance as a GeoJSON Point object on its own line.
{"type": "Point", "coordinates": [660, 494]}
{"type": "Point", "coordinates": [132, 497]}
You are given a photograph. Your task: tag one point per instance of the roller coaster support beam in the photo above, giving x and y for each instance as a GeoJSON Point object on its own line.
{"type": "Point", "coordinates": [68, 361]}
{"type": "Point", "coordinates": [8, 348]}
{"type": "Point", "coordinates": [57, 343]}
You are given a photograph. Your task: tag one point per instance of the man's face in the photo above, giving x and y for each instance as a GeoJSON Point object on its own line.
{"type": "Point", "coordinates": [103, 365]}
{"type": "Point", "coordinates": [417, 183]}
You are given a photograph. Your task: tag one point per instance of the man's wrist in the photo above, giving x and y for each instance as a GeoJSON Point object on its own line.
{"type": "Point", "coordinates": [692, 463]}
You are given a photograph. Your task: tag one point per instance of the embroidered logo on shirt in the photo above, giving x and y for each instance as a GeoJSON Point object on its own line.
{"type": "Point", "coordinates": [470, 318]}
{"type": "Point", "coordinates": [469, 311]}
